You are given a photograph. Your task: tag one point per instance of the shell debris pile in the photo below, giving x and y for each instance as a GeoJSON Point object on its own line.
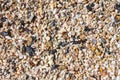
{"type": "Point", "coordinates": [59, 39]}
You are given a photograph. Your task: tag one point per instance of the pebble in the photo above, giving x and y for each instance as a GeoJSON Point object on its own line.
{"type": "Point", "coordinates": [89, 8]}
{"type": "Point", "coordinates": [4, 33]}
{"type": "Point", "coordinates": [1, 24]}
{"type": "Point", "coordinates": [59, 39]}
{"type": "Point", "coordinates": [3, 19]}
{"type": "Point", "coordinates": [76, 42]}
{"type": "Point", "coordinates": [92, 5]}
{"type": "Point", "coordinates": [30, 50]}
{"type": "Point", "coordinates": [117, 6]}
{"type": "Point", "coordinates": [53, 23]}
{"type": "Point", "coordinates": [54, 67]}
{"type": "Point", "coordinates": [53, 51]}
{"type": "Point", "coordinates": [31, 17]}
{"type": "Point", "coordinates": [63, 44]}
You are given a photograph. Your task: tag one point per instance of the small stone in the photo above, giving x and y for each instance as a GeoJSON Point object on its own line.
{"type": "Point", "coordinates": [82, 36]}
{"type": "Point", "coordinates": [29, 41]}
{"type": "Point", "coordinates": [53, 23]}
{"type": "Point", "coordinates": [92, 5]}
{"type": "Point", "coordinates": [103, 40]}
{"type": "Point", "coordinates": [3, 19]}
{"type": "Point", "coordinates": [87, 29]}
{"type": "Point", "coordinates": [76, 42]}
{"type": "Point", "coordinates": [98, 53]}
{"type": "Point", "coordinates": [93, 48]}
{"type": "Point", "coordinates": [84, 40]}
{"type": "Point", "coordinates": [53, 51]}
{"type": "Point", "coordinates": [22, 22]}
{"type": "Point", "coordinates": [77, 50]}
{"type": "Point", "coordinates": [33, 38]}
{"type": "Point", "coordinates": [100, 69]}
{"type": "Point", "coordinates": [40, 9]}
{"type": "Point", "coordinates": [1, 24]}
{"type": "Point", "coordinates": [31, 17]}
{"type": "Point", "coordinates": [30, 50]}
{"type": "Point", "coordinates": [54, 67]}
{"type": "Point", "coordinates": [89, 8]}
{"type": "Point", "coordinates": [4, 33]}
{"type": "Point", "coordinates": [117, 18]}
{"type": "Point", "coordinates": [63, 44]}
{"type": "Point", "coordinates": [49, 44]}
{"type": "Point", "coordinates": [32, 63]}
{"type": "Point", "coordinates": [7, 37]}
{"type": "Point", "coordinates": [117, 6]}
{"type": "Point", "coordinates": [62, 67]}
{"type": "Point", "coordinates": [94, 41]}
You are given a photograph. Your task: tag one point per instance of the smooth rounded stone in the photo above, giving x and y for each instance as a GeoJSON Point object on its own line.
{"type": "Point", "coordinates": [1, 24]}
{"type": "Point", "coordinates": [47, 38]}
{"type": "Point", "coordinates": [53, 23]}
{"type": "Point", "coordinates": [87, 30]}
{"type": "Point", "coordinates": [94, 41]}
{"type": "Point", "coordinates": [89, 8]}
{"type": "Point", "coordinates": [79, 1]}
{"type": "Point", "coordinates": [55, 11]}
{"type": "Point", "coordinates": [30, 50]}
{"type": "Point", "coordinates": [8, 37]}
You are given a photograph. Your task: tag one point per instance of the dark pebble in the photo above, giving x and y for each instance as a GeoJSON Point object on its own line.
{"type": "Point", "coordinates": [9, 32]}
{"type": "Point", "coordinates": [0, 8]}
{"type": "Point", "coordinates": [74, 4]}
{"type": "Point", "coordinates": [107, 50]}
{"type": "Point", "coordinates": [22, 29]}
{"type": "Point", "coordinates": [4, 33]}
{"type": "Point", "coordinates": [30, 50]}
{"type": "Point", "coordinates": [27, 77]}
{"type": "Point", "coordinates": [92, 5]}
{"type": "Point", "coordinates": [113, 24]}
{"type": "Point", "coordinates": [117, 6]}
{"type": "Point", "coordinates": [87, 29]}
{"type": "Point", "coordinates": [56, 28]}
{"type": "Point", "coordinates": [33, 78]}
{"type": "Point", "coordinates": [34, 18]}
{"type": "Point", "coordinates": [53, 23]}
{"type": "Point", "coordinates": [9, 24]}
{"type": "Point", "coordinates": [89, 8]}
{"type": "Point", "coordinates": [82, 47]}
{"type": "Point", "coordinates": [84, 40]}
{"type": "Point", "coordinates": [77, 42]}
{"type": "Point", "coordinates": [3, 19]}
{"type": "Point", "coordinates": [54, 67]}
{"type": "Point", "coordinates": [60, 2]}
{"type": "Point", "coordinates": [54, 58]}
{"type": "Point", "coordinates": [63, 44]}
{"type": "Point", "coordinates": [34, 39]}
{"type": "Point", "coordinates": [23, 49]}
{"type": "Point", "coordinates": [1, 25]}
{"type": "Point", "coordinates": [67, 50]}
{"type": "Point", "coordinates": [78, 12]}
{"type": "Point", "coordinates": [53, 51]}
{"type": "Point", "coordinates": [22, 22]}
{"type": "Point", "coordinates": [73, 37]}
{"type": "Point", "coordinates": [103, 40]}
